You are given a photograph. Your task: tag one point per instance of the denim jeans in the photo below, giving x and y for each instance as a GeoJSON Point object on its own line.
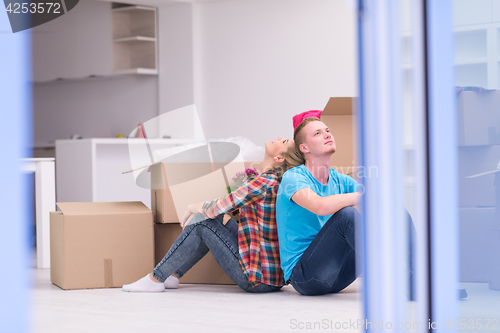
{"type": "Point", "coordinates": [328, 264]}
{"type": "Point", "coordinates": [196, 240]}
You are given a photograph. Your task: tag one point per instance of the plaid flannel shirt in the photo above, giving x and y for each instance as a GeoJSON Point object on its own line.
{"type": "Point", "coordinates": [257, 230]}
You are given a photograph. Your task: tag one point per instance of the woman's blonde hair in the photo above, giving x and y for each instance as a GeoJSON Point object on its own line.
{"type": "Point", "coordinates": [293, 157]}
{"type": "Point", "coordinates": [291, 160]}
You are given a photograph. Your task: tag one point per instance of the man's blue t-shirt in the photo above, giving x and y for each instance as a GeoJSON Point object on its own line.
{"type": "Point", "coordinates": [297, 226]}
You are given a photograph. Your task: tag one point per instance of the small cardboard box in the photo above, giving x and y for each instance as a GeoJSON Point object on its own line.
{"type": "Point", "coordinates": [478, 118]}
{"type": "Point", "coordinates": [100, 244]}
{"type": "Point", "coordinates": [207, 270]}
{"type": "Point", "coordinates": [339, 115]}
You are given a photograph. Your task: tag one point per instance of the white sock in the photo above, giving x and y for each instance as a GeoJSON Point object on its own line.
{"type": "Point", "coordinates": [145, 285]}
{"type": "Point", "coordinates": [171, 282]}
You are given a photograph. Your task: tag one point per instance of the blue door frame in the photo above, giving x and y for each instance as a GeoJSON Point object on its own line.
{"type": "Point", "coordinates": [435, 172]}
{"type": "Point", "coordinates": [15, 193]}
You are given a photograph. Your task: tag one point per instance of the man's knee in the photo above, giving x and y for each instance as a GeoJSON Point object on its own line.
{"type": "Point", "coordinates": [312, 287]}
{"type": "Point", "coordinates": [348, 212]}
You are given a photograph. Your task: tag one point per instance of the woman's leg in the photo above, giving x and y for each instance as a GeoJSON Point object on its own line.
{"type": "Point", "coordinates": [202, 250]}
{"type": "Point", "coordinates": [179, 259]}
{"type": "Point", "coordinates": [328, 264]}
{"type": "Point", "coordinates": [222, 241]}
{"type": "Point", "coordinates": [184, 253]}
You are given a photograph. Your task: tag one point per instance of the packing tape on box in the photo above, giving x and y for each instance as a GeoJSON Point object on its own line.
{"type": "Point", "coordinates": [108, 273]}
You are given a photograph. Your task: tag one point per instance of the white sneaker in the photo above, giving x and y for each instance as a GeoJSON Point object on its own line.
{"type": "Point", "coordinates": [171, 282]}
{"type": "Point", "coordinates": [145, 285]}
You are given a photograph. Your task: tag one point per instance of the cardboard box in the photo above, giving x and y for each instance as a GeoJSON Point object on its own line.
{"type": "Point", "coordinates": [478, 118]}
{"type": "Point", "coordinates": [100, 244]}
{"type": "Point", "coordinates": [207, 270]}
{"type": "Point", "coordinates": [340, 116]}
{"type": "Point", "coordinates": [175, 185]}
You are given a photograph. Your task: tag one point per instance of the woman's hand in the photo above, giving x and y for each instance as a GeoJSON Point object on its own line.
{"type": "Point", "coordinates": [226, 218]}
{"type": "Point", "coordinates": [191, 210]}
{"type": "Point", "coordinates": [186, 218]}
{"type": "Point", "coordinates": [195, 208]}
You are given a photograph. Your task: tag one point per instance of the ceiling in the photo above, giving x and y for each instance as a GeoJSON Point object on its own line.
{"type": "Point", "coordinates": [158, 2]}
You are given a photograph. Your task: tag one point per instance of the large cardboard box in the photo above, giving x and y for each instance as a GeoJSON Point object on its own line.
{"type": "Point", "coordinates": [100, 244]}
{"type": "Point", "coordinates": [478, 118]}
{"type": "Point", "coordinates": [175, 185]}
{"type": "Point", "coordinates": [340, 116]}
{"type": "Point", "coordinates": [207, 270]}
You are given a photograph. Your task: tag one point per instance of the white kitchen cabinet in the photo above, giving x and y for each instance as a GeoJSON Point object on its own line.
{"type": "Point", "coordinates": [91, 170]}
{"type": "Point", "coordinates": [75, 45]}
{"type": "Point", "coordinates": [96, 38]}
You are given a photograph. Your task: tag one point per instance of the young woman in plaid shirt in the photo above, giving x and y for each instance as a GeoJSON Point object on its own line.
{"type": "Point", "coordinates": [247, 251]}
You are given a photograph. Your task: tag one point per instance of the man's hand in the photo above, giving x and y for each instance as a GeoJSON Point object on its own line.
{"type": "Point", "coordinates": [356, 198]}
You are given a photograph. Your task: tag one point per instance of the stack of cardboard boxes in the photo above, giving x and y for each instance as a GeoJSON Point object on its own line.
{"type": "Point", "coordinates": [168, 203]}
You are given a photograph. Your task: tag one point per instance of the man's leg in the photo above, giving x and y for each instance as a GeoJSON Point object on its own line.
{"type": "Point", "coordinates": [328, 264]}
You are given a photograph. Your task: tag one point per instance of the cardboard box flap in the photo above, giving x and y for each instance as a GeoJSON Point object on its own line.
{"type": "Point", "coordinates": [95, 208]}
{"type": "Point", "coordinates": [339, 106]}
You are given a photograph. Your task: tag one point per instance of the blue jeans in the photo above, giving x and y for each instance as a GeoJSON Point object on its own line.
{"type": "Point", "coordinates": [196, 240]}
{"type": "Point", "coordinates": [328, 265]}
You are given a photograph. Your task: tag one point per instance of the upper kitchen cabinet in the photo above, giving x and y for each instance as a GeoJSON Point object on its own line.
{"type": "Point", "coordinates": [75, 45]}
{"type": "Point", "coordinates": [134, 40]}
{"type": "Point", "coordinates": [96, 38]}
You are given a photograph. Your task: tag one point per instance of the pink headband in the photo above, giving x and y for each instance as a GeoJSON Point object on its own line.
{"type": "Point", "coordinates": [297, 119]}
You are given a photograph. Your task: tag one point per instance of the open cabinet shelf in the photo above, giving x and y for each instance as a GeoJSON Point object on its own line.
{"type": "Point", "coordinates": [134, 40]}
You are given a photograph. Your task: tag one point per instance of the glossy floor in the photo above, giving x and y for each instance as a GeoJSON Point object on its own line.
{"type": "Point", "coordinates": [209, 308]}
{"type": "Point", "coordinates": [191, 308]}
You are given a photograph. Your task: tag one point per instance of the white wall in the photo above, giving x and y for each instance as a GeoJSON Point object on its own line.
{"type": "Point", "coordinates": [249, 65]}
{"type": "Point", "coordinates": [93, 108]}
{"type": "Point", "coordinates": [175, 65]}
{"type": "Point", "coordinates": [259, 62]}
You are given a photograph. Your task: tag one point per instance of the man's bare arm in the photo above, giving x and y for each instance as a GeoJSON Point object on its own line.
{"type": "Point", "coordinates": [318, 205]}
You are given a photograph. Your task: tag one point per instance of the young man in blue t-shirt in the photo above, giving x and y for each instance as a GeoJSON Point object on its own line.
{"type": "Point", "coordinates": [315, 216]}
